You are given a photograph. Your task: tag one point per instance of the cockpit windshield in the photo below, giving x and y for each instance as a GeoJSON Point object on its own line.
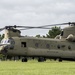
{"type": "Point", "coordinates": [8, 41]}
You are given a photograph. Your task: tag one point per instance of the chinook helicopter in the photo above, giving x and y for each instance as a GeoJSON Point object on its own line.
{"type": "Point", "coordinates": [62, 47]}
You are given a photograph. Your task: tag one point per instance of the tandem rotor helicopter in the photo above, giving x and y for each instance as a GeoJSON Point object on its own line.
{"type": "Point", "coordinates": [62, 47]}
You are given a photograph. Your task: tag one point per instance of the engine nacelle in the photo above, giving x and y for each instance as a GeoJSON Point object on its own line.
{"type": "Point", "coordinates": [71, 38]}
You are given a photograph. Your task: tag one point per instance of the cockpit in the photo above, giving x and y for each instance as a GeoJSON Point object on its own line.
{"type": "Point", "coordinates": [9, 42]}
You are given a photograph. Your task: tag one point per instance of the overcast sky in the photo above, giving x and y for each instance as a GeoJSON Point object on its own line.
{"type": "Point", "coordinates": [36, 13]}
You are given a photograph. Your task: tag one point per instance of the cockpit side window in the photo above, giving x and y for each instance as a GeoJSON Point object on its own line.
{"type": "Point", "coordinates": [8, 41]}
{"type": "Point", "coordinates": [11, 41]}
{"type": "Point", "coordinates": [4, 41]}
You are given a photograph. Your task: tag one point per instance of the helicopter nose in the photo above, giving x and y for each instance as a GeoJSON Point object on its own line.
{"type": "Point", "coordinates": [3, 50]}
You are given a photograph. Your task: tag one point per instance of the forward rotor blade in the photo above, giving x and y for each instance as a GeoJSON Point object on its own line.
{"type": "Point", "coordinates": [42, 27]}
{"type": "Point", "coordinates": [31, 27]}
{"type": "Point", "coordinates": [2, 29]}
{"type": "Point", "coordinates": [36, 28]}
{"type": "Point", "coordinates": [25, 27]}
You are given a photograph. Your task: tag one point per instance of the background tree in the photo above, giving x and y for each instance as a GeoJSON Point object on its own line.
{"type": "Point", "coordinates": [53, 32]}
{"type": "Point", "coordinates": [38, 35]}
{"type": "Point", "coordinates": [1, 36]}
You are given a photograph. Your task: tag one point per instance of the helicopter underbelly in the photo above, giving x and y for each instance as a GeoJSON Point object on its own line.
{"type": "Point", "coordinates": [42, 52]}
{"type": "Point", "coordinates": [68, 54]}
{"type": "Point", "coordinates": [51, 53]}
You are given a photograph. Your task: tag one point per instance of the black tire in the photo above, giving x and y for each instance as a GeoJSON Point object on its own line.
{"type": "Point", "coordinates": [41, 59]}
{"type": "Point", "coordinates": [24, 60]}
{"type": "Point", "coordinates": [60, 60]}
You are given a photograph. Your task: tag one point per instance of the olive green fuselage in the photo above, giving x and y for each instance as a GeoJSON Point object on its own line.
{"type": "Point", "coordinates": [42, 47]}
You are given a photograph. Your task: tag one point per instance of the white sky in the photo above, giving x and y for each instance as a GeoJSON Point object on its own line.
{"type": "Point", "coordinates": [36, 13]}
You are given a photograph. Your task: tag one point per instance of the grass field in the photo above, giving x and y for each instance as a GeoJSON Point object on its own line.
{"type": "Point", "coordinates": [37, 68]}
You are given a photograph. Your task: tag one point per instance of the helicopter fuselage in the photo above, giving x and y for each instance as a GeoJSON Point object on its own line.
{"type": "Point", "coordinates": [42, 47]}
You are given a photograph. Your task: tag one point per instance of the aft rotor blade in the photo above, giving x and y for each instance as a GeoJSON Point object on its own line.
{"type": "Point", "coordinates": [54, 25]}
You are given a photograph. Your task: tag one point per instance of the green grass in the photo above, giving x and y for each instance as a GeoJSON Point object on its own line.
{"type": "Point", "coordinates": [37, 68]}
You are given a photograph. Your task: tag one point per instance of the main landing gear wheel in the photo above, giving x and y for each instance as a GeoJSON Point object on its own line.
{"type": "Point", "coordinates": [24, 60]}
{"type": "Point", "coordinates": [60, 60]}
{"type": "Point", "coordinates": [41, 59]}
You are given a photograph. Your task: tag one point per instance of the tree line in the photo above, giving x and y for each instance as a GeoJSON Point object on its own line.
{"type": "Point", "coordinates": [52, 33]}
